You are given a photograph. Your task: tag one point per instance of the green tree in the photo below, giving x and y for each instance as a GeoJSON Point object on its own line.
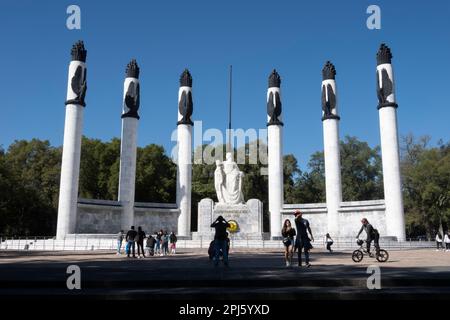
{"type": "Point", "coordinates": [99, 169]}
{"type": "Point", "coordinates": [155, 175]}
{"type": "Point", "coordinates": [31, 170]}
{"type": "Point", "coordinates": [361, 171]}
{"type": "Point", "coordinates": [426, 185]}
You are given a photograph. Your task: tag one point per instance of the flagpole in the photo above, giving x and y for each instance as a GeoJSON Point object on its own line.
{"type": "Point", "coordinates": [229, 111]}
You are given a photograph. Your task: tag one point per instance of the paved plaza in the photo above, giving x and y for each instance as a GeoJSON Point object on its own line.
{"type": "Point", "coordinates": [256, 274]}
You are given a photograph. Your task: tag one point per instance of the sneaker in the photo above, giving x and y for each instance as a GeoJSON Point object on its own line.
{"type": "Point", "coordinates": [308, 265]}
{"type": "Point", "coordinates": [287, 263]}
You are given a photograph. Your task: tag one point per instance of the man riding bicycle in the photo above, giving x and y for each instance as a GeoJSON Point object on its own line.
{"type": "Point", "coordinates": [372, 235]}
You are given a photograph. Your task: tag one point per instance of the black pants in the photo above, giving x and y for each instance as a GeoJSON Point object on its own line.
{"type": "Point", "coordinates": [329, 244]}
{"type": "Point", "coordinates": [438, 244]}
{"type": "Point", "coordinates": [447, 246]}
{"type": "Point", "coordinates": [302, 244]}
{"type": "Point", "coordinates": [140, 246]}
{"type": "Point", "coordinates": [375, 238]}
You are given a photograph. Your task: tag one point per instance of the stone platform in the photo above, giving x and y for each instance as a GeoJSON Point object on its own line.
{"type": "Point", "coordinates": [249, 218]}
{"type": "Point", "coordinates": [253, 274]}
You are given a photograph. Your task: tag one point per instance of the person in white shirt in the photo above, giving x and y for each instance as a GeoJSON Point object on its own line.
{"type": "Point", "coordinates": [438, 241]}
{"type": "Point", "coordinates": [447, 242]}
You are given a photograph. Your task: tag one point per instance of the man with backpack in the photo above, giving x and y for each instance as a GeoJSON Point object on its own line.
{"type": "Point", "coordinates": [372, 235]}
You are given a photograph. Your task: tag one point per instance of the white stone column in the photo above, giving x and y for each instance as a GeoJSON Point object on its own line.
{"type": "Point", "coordinates": [275, 154]}
{"type": "Point", "coordinates": [130, 118]}
{"type": "Point", "coordinates": [395, 221]}
{"type": "Point", "coordinates": [330, 120]}
{"type": "Point", "coordinates": [184, 154]}
{"type": "Point", "coordinates": [70, 165]}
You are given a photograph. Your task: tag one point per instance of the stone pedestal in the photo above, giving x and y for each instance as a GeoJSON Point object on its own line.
{"type": "Point", "coordinates": [249, 217]}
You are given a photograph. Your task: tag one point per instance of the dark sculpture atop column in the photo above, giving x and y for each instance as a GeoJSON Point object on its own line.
{"type": "Point", "coordinates": [274, 105]}
{"type": "Point", "coordinates": [79, 52]}
{"type": "Point", "coordinates": [328, 94]}
{"type": "Point", "coordinates": [132, 101]}
{"type": "Point", "coordinates": [186, 79]}
{"type": "Point", "coordinates": [274, 79]}
{"type": "Point", "coordinates": [186, 105]}
{"type": "Point", "coordinates": [132, 70]}
{"type": "Point", "coordinates": [385, 85]}
{"type": "Point", "coordinates": [328, 71]}
{"type": "Point", "coordinates": [384, 54]}
{"type": "Point", "coordinates": [78, 83]}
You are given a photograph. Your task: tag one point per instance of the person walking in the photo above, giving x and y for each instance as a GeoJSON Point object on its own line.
{"type": "Point", "coordinates": [220, 240]}
{"type": "Point", "coordinates": [165, 243]}
{"type": "Point", "coordinates": [120, 237]}
{"type": "Point", "coordinates": [150, 245]}
{"type": "Point", "coordinates": [130, 238]}
{"type": "Point", "coordinates": [288, 234]}
{"type": "Point", "coordinates": [329, 242]}
{"type": "Point", "coordinates": [372, 235]}
{"type": "Point", "coordinates": [158, 243]}
{"type": "Point", "coordinates": [173, 242]}
{"type": "Point", "coordinates": [303, 242]}
{"type": "Point", "coordinates": [438, 241]}
{"type": "Point", "coordinates": [140, 242]}
{"type": "Point", "coordinates": [447, 241]}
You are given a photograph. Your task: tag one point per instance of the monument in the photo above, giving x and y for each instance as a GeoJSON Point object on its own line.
{"type": "Point", "coordinates": [246, 217]}
{"type": "Point", "coordinates": [73, 127]}
{"type": "Point", "coordinates": [337, 217]}
{"type": "Point", "coordinates": [228, 181]}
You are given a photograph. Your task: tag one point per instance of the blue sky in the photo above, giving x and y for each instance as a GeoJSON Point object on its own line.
{"type": "Point", "coordinates": [295, 37]}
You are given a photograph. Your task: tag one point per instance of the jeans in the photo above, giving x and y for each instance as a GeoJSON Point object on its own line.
{"type": "Point", "coordinates": [220, 245]}
{"type": "Point", "coordinates": [119, 245]}
{"type": "Point", "coordinates": [132, 249]}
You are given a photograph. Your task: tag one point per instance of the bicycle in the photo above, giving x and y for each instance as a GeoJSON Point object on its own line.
{"type": "Point", "coordinates": [357, 255]}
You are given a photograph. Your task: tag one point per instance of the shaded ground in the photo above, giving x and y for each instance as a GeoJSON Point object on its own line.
{"type": "Point", "coordinates": [259, 274]}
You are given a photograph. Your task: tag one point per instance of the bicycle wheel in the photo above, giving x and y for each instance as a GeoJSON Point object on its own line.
{"type": "Point", "coordinates": [357, 256]}
{"type": "Point", "coordinates": [383, 256]}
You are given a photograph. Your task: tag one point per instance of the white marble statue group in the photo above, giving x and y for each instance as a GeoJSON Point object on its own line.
{"type": "Point", "coordinates": [228, 181]}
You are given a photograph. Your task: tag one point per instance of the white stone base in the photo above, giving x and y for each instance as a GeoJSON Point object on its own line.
{"type": "Point", "coordinates": [349, 218]}
{"type": "Point", "coordinates": [249, 217]}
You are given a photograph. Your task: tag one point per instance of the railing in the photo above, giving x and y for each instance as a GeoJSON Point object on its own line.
{"type": "Point", "coordinates": [109, 242]}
